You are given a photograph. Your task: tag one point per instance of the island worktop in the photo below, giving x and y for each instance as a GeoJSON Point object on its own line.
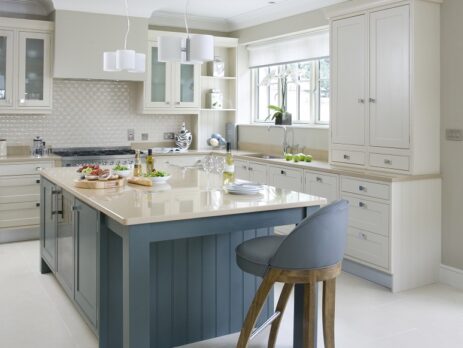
{"type": "Point", "coordinates": [189, 194]}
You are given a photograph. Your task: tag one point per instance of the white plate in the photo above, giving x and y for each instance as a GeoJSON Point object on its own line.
{"type": "Point", "coordinates": [160, 179]}
{"type": "Point", "coordinates": [123, 173]}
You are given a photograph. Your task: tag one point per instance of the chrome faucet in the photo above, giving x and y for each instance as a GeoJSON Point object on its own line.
{"type": "Point", "coordinates": [285, 144]}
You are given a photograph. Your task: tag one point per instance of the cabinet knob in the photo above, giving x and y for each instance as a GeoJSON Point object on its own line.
{"type": "Point", "coordinates": [55, 192]}
{"type": "Point", "coordinates": [372, 100]}
{"type": "Point", "coordinates": [346, 157]}
{"type": "Point", "coordinates": [362, 205]}
{"type": "Point", "coordinates": [245, 168]}
{"type": "Point", "coordinates": [363, 236]}
{"type": "Point", "coordinates": [319, 179]}
{"type": "Point", "coordinates": [362, 188]}
{"type": "Point", "coordinates": [37, 204]}
{"type": "Point", "coordinates": [250, 168]}
{"type": "Point", "coordinates": [361, 101]}
{"type": "Point", "coordinates": [387, 161]}
{"type": "Point", "coordinates": [283, 172]}
{"type": "Point", "coordinates": [37, 181]}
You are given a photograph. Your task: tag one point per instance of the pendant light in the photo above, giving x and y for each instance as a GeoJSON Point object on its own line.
{"type": "Point", "coordinates": [124, 60]}
{"type": "Point", "coordinates": [190, 50]}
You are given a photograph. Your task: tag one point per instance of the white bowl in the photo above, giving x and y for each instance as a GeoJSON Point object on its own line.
{"type": "Point", "coordinates": [160, 179]}
{"type": "Point", "coordinates": [123, 173]}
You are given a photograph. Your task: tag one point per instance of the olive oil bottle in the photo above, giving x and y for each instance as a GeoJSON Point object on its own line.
{"type": "Point", "coordinates": [149, 161]}
{"type": "Point", "coordinates": [229, 168]}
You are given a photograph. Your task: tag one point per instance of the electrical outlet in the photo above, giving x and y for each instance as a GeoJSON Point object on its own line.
{"type": "Point", "coordinates": [131, 134]}
{"type": "Point", "coordinates": [144, 136]}
{"type": "Point", "coordinates": [169, 136]}
{"type": "Point", "coordinates": [454, 134]}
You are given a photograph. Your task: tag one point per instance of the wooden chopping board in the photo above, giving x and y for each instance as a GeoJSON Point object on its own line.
{"type": "Point", "coordinates": [98, 184]}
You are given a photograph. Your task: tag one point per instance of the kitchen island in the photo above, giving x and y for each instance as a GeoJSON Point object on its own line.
{"type": "Point", "coordinates": [155, 266]}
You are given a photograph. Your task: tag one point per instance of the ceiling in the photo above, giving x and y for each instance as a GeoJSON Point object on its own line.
{"type": "Point", "coordinates": [222, 15]}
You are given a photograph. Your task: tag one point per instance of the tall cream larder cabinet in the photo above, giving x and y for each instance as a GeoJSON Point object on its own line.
{"type": "Point", "coordinates": [386, 87]}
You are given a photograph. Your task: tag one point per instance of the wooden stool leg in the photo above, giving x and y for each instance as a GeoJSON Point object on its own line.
{"type": "Point", "coordinates": [329, 294]}
{"type": "Point", "coordinates": [255, 308]}
{"type": "Point", "coordinates": [282, 301]}
{"type": "Point", "coordinates": [309, 314]}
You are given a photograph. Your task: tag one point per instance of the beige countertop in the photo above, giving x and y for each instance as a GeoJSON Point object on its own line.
{"type": "Point", "coordinates": [27, 158]}
{"type": "Point", "coordinates": [189, 194]}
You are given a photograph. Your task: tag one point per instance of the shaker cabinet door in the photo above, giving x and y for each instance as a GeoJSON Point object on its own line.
{"type": "Point", "coordinates": [158, 84]}
{"type": "Point", "coordinates": [348, 94]}
{"type": "Point", "coordinates": [48, 225]}
{"type": "Point", "coordinates": [186, 85]}
{"type": "Point", "coordinates": [6, 68]}
{"type": "Point", "coordinates": [390, 78]}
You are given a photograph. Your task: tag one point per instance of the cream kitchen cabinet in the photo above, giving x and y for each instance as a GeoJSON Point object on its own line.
{"type": "Point", "coordinates": [251, 171]}
{"type": "Point", "coordinates": [20, 200]}
{"type": "Point", "coordinates": [385, 87]}
{"type": "Point", "coordinates": [25, 66]}
{"type": "Point", "coordinates": [322, 185]}
{"type": "Point", "coordinates": [285, 177]}
{"type": "Point", "coordinates": [170, 87]}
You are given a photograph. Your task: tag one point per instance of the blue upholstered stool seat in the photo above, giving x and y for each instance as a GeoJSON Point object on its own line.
{"type": "Point", "coordinates": [253, 256]}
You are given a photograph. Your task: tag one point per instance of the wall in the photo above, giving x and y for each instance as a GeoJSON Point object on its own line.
{"type": "Point", "coordinates": [452, 117]}
{"type": "Point", "coordinates": [90, 113]}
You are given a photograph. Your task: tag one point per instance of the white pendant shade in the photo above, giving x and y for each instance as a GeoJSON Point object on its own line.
{"type": "Point", "coordinates": [124, 60]}
{"type": "Point", "coordinates": [176, 49]}
{"type": "Point", "coordinates": [201, 48]}
{"type": "Point", "coordinates": [170, 49]}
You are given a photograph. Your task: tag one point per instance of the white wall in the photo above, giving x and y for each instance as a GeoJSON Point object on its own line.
{"type": "Point", "coordinates": [452, 117]}
{"type": "Point", "coordinates": [90, 113]}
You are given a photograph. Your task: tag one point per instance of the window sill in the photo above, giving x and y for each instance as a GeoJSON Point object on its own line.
{"type": "Point", "coordinates": [294, 125]}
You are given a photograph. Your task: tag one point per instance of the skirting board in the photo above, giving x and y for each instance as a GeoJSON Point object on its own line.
{"type": "Point", "coordinates": [367, 273]}
{"type": "Point", "coordinates": [451, 276]}
{"type": "Point", "coordinates": [19, 234]}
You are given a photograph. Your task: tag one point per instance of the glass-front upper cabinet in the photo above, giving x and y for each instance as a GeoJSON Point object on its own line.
{"type": "Point", "coordinates": [170, 85]}
{"type": "Point", "coordinates": [34, 70]}
{"type": "Point", "coordinates": [6, 68]}
{"type": "Point", "coordinates": [158, 85]}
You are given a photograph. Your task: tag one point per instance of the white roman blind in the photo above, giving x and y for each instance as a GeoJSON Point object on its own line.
{"type": "Point", "coordinates": [302, 47]}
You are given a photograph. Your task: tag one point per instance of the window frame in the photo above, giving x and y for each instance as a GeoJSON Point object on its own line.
{"type": "Point", "coordinates": [315, 83]}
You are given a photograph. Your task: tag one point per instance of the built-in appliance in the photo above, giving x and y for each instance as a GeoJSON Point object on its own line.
{"type": "Point", "coordinates": [77, 156]}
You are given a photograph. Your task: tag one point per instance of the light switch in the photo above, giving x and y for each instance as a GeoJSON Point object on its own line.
{"type": "Point", "coordinates": [454, 134]}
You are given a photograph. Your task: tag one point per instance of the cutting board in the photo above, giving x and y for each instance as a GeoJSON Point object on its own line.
{"type": "Point", "coordinates": [97, 184]}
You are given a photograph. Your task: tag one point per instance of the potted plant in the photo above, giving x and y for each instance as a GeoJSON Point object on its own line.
{"type": "Point", "coordinates": [283, 77]}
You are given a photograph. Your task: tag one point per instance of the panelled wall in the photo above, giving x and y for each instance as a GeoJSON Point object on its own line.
{"type": "Point", "coordinates": [90, 113]}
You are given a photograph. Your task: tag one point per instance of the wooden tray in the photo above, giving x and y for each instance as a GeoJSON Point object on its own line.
{"type": "Point", "coordinates": [97, 184]}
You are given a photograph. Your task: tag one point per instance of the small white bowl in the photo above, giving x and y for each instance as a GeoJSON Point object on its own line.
{"type": "Point", "coordinates": [160, 179]}
{"type": "Point", "coordinates": [123, 173]}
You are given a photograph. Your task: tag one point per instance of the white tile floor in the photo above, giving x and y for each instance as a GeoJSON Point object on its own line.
{"type": "Point", "coordinates": [35, 312]}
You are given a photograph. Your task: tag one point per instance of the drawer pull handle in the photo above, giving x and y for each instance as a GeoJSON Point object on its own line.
{"type": "Point", "coordinates": [362, 205]}
{"type": "Point", "coordinates": [361, 101]}
{"type": "Point", "coordinates": [283, 172]}
{"type": "Point", "coordinates": [362, 188]}
{"type": "Point", "coordinates": [347, 157]}
{"type": "Point", "coordinates": [37, 204]}
{"type": "Point", "coordinates": [319, 179]}
{"type": "Point", "coordinates": [37, 181]}
{"type": "Point", "coordinates": [55, 192]}
{"type": "Point", "coordinates": [363, 236]}
{"type": "Point", "coordinates": [387, 161]}
{"type": "Point", "coordinates": [250, 168]}
{"type": "Point", "coordinates": [372, 100]}
{"type": "Point", "coordinates": [244, 167]}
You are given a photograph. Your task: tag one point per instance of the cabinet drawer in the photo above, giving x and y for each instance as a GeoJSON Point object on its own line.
{"type": "Point", "coordinates": [322, 185]}
{"type": "Point", "coordinates": [367, 215]}
{"type": "Point", "coordinates": [390, 161]}
{"type": "Point", "coordinates": [368, 247]}
{"type": "Point", "coordinates": [285, 178]}
{"type": "Point", "coordinates": [365, 188]}
{"type": "Point", "coordinates": [19, 214]}
{"type": "Point", "coordinates": [352, 157]}
{"type": "Point", "coordinates": [24, 168]}
{"type": "Point", "coordinates": [19, 188]}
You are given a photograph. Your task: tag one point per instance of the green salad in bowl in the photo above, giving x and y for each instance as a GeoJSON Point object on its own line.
{"type": "Point", "coordinates": [122, 170]}
{"type": "Point", "coordinates": [158, 176]}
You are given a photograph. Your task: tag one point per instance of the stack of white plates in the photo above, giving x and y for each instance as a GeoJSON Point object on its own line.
{"type": "Point", "coordinates": [243, 188]}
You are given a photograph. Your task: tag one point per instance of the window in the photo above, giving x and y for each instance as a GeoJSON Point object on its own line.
{"type": "Point", "coordinates": [308, 90]}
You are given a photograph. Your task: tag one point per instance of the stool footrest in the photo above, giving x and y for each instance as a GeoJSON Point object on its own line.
{"type": "Point", "coordinates": [270, 320]}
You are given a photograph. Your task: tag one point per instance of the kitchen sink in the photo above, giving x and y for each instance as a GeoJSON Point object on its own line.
{"type": "Point", "coordinates": [263, 156]}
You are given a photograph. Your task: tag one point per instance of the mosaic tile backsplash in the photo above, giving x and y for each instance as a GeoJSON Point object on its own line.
{"type": "Point", "coordinates": [90, 113]}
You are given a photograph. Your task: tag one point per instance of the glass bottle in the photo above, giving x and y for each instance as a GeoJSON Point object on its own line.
{"type": "Point", "coordinates": [229, 168]}
{"type": "Point", "coordinates": [137, 165]}
{"type": "Point", "coordinates": [149, 161]}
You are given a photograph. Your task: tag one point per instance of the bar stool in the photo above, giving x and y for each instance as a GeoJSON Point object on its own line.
{"type": "Point", "coordinates": [311, 253]}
